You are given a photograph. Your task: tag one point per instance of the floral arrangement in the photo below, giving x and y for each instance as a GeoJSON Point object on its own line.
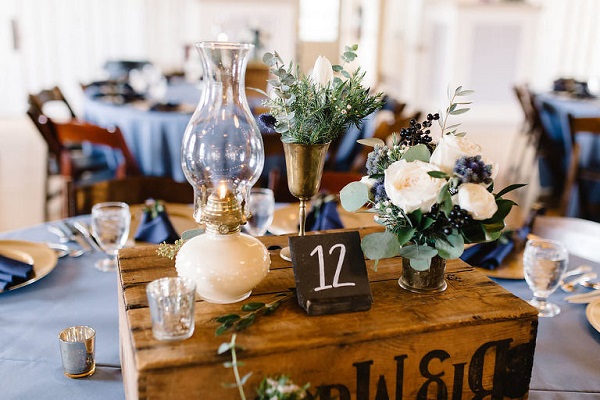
{"type": "Point", "coordinates": [316, 108]}
{"type": "Point", "coordinates": [431, 197]}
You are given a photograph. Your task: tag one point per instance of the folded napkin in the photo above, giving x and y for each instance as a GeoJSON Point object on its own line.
{"type": "Point", "coordinates": [155, 226]}
{"type": "Point", "coordinates": [13, 271]}
{"type": "Point", "coordinates": [323, 215]}
{"type": "Point", "coordinates": [489, 255]}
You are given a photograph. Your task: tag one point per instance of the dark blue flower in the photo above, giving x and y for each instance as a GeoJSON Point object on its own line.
{"type": "Point", "coordinates": [267, 123]}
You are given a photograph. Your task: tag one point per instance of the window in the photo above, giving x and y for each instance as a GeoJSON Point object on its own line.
{"type": "Point", "coordinates": [319, 20]}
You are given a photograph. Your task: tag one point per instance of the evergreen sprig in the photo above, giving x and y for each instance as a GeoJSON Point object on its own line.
{"type": "Point", "coordinates": [240, 322]}
{"type": "Point", "coordinates": [308, 113]}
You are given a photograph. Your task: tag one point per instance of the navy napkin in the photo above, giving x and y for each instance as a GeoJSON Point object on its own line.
{"type": "Point", "coordinates": [324, 215]}
{"type": "Point", "coordinates": [13, 271]}
{"type": "Point", "coordinates": [489, 255]}
{"type": "Point", "coordinates": [155, 226]}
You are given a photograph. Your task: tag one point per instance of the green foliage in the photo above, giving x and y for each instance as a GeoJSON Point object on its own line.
{"type": "Point", "coordinates": [239, 323]}
{"type": "Point", "coordinates": [308, 113]}
{"type": "Point", "coordinates": [354, 195]}
{"type": "Point", "coordinates": [442, 229]}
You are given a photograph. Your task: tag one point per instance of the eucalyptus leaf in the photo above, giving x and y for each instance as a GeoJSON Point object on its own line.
{"type": "Point", "coordinates": [459, 111]}
{"type": "Point", "coordinates": [465, 92]}
{"type": "Point", "coordinates": [419, 152]}
{"type": "Point", "coordinates": [354, 195]}
{"type": "Point", "coordinates": [192, 233]}
{"type": "Point", "coordinates": [337, 68]}
{"type": "Point", "coordinates": [245, 378]}
{"type": "Point", "coordinates": [450, 247]}
{"type": "Point", "coordinates": [417, 252]}
{"type": "Point", "coordinates": [380, 245]}
{"type": "Point", "coordinates": [420, 265]}
{"type": "Point", "coordinates": [224, 348]}
{"type": "Point", "coordinates": [372, 142]}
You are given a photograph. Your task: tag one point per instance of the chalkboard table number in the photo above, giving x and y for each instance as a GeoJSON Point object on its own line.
{"type": "Point", "coordinates": [330, 272]}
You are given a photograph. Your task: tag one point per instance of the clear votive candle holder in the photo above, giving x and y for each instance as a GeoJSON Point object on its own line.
{"type": "Point", "coordinates": [171, 302]}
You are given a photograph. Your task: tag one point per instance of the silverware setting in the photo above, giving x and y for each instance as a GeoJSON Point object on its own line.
{"type": "Point", "coordinates": [582, 279]}
{"type": "Point", "coordinates": [72, 231]}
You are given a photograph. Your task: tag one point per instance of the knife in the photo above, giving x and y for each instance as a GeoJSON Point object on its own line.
{"type": "Point", "coordinates": [583, 297]}
{"type": "Point", "coordinates": [86, 234]}
{"type": "Point", "coordinates": [78, 237]}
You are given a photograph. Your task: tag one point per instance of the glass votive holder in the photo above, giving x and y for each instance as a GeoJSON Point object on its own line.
{"type": "Point", "coordinates": [77, 350]}
{"type": "Point", "coordinates": [171, 302]}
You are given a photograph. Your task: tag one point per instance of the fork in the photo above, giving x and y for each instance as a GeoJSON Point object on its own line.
{"type": "Point", "coordinates": [580, 280]}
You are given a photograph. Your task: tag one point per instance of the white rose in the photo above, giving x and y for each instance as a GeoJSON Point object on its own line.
{"type": "Point", "coordinates": [322, 72]}
{"type": "Point", "coordinates": [477, 201]}
{"type": "Point", "coordinates": [450, 148]}
{"type": "Point", "coordinates": [409, 187]}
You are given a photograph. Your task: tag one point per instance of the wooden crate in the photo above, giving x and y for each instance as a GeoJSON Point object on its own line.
{"type": "Point", "coordinates": [475, 340]}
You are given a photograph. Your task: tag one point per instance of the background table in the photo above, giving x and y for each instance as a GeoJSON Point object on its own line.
{"type": "Point", "coordinates": [554, 114]}
{"type": "Point", "coordinates": [74, 293]}
{"type": "Point", "coordinates": [154, 137]}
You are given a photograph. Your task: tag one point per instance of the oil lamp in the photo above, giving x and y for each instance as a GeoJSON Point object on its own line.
{"type": "Point", "coordinates": [222, 157]}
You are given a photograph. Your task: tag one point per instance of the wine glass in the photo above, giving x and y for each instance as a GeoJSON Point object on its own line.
{"type": "Point", "coordinates": [110, 227]}
{"type": "Point", "coordinates": [261, 206]}
{"type": "Point", "coordinates": [544, 263]}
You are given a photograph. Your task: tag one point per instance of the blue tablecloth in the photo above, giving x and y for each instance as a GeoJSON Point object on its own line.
{"type": "Point", "coordinates": [154, 137]}
{"type": "Point", "coordinates": [554, 111]}
{"type": "Point", "coordinates": [565, 366]}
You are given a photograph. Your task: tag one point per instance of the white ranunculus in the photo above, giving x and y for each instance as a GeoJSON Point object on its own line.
{"type": "Point", "coordinates": [322, 72]}
{"type": "Point", "coordinates": [450, 148]}
{"type": "Point", "coordinates": [477, 201]}
{"type": "Point", "coordinates": [409, 187]}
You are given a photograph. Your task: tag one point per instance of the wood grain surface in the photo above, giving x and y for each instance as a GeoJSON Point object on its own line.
{"type": "Point", "coordinates": [474, 338]}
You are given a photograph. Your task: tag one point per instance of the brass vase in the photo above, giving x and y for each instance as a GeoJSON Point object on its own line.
{"type": "Point", "coordinates": [429, 281]}
{"type": "Point", "coordinates": [304, 164]}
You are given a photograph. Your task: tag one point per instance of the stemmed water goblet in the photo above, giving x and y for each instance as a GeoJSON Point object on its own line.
{"type": "Point", "coordinates": [110, 228]}
{"type": "Point", "coordinates": [261, 206]}
{"type": "Point", "coordinates": [544, 264]}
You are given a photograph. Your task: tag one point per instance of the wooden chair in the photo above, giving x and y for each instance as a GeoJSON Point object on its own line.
{"type": "Point", "coordinates": [45, 96]}
{"type": "Point", "coordinates": [131, 190]}
{"type": "Point", "coordinates": [125, 163]}
{"type": "Point", "coordinates": [75, 132]}
{"type": "Point", "coordinates": [579, 176]}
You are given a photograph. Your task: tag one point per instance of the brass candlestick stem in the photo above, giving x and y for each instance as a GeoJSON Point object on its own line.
{"type": "Point", "coordinates": [304, 164]}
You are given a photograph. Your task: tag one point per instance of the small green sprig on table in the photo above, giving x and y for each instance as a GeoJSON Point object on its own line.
{"type": "Point", "coordinates": [238, 322]}
{"type": "Point", "coordinates": [270, 388]}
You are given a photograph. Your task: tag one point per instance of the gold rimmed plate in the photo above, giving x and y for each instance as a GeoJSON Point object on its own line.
{"type": "Point", "coordinates": [285, 219]}
{"type": "Point", "coordinates": [41, 256]}
{"type": "Point", "coordinates": [592, 313]}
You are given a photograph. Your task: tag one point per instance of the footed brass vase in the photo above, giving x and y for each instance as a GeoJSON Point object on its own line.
{"type": "Point", "coordinates": [304, 164]}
